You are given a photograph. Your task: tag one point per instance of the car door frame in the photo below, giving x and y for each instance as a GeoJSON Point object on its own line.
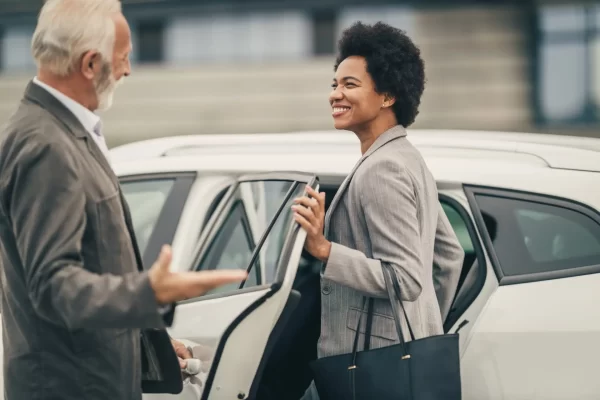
{"type": "Point", "coordinates": [292, 249]}
{"type": "Point", "coordinates": [218, 218]}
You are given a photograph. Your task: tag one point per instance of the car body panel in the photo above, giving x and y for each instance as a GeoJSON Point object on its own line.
{"type": "Point", "coordinates": [536, 341]}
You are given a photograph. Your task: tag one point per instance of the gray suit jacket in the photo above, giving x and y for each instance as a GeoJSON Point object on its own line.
{"type": "Point", "coordinates": [387, 211]}
{"type": "Point", "coordinates": [73, 296]}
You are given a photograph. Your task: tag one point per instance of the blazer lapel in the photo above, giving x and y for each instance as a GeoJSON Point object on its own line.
{"type": "Point", "coordinates": [338, 196]}
{"type": "Point", "coordinates": [394, 133]}
{"type": "Point", "coordinates": [129, 224]}
{"type": "Point", "coordinates": [40, 96]}
{"type": "Point", "coordinates": [100, 157]}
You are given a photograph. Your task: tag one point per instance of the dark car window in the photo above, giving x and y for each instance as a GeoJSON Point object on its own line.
{"type": "Point", "coordinates": [459, 225]}
{"type": "Point", "coordinates": [532, 237]}
{"type": "Point", "coordinates": [232, 246]}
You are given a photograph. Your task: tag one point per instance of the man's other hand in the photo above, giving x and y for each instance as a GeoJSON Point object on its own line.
{"type": "Point", "coordinates": [182, 352]}
{"type": "Point", "coordinates": [170, 287]}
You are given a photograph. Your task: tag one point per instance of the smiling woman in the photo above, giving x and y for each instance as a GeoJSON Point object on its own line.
{"type": "Point", "coordinates": [381, 230]}
{"type": "Point", "coordinates": [378, 83]}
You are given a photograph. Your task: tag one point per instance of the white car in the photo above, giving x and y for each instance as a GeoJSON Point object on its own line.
{"type": "Point", "coordinates": [526, 209]}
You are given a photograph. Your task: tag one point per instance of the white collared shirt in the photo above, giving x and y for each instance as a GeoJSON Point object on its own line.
{"type": "Point", "coordinates": [90, 121]}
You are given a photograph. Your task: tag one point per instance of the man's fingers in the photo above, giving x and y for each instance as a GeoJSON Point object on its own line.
{"type": "Point", "coordinates": [215, 278]}
{"type": "Point", "coordinates": [165, 257]}
{"type": "Point", "coordinates": [182, 363]}
{"type": "Point", "coordinates": [182, 352]}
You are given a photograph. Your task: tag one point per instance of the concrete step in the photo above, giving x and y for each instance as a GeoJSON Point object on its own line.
{"type": "Point", "coordinates": [461, 21]}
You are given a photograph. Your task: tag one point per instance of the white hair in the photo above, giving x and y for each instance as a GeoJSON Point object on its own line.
{"type": "Point", "coordinates": [67, 29]}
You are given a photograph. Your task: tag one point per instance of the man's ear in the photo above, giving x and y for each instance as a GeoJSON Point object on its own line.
{"type": "Point", "coordinates": [89, 64]}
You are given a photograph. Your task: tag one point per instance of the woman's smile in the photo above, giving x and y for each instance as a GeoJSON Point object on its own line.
{"type": "Point", "coordinates": [338, 111]}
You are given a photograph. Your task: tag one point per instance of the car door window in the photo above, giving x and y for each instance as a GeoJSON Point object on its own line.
{"type": "Point", "coordinates": [146, 199]}
{"type": "Point", "coordinates": [535, 234]}
{"type": "Point", "coordinates": [240, 238]}
{"type": "Point", "coordinates": [232, 247]}
{"type": "Point", "coordinates": [459, 226]}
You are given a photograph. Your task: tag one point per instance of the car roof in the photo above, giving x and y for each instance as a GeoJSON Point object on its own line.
{"type": "Point", "coordinates": [555, 169]}
{"type": "Point", "coordinates": [556, 151]}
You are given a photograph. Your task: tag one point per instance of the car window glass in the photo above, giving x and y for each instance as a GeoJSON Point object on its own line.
{"type": "Point", "coordinates": [232, 247]}
{"type": "Point", "coordinates": [468, 275]}
{"type": "Point", "coordinates": [255, 204]}
{"type": "Point", "coordinates": [530, 237]}
{"type": "Point", "coordinates": [146, 199]}
{"type": "Point", "coordinates": [270, 251]}
{"type": "Point", "coordinates": [460, 227]}
{"type": "Point", "coordinates": [212, 208]}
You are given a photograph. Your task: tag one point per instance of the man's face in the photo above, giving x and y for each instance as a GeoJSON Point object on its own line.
{"type": "Point", "coordinates": [112, 72]}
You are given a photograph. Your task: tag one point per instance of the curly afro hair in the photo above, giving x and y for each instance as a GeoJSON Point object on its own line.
{"type": "Point", "coordinates": [393, 61]}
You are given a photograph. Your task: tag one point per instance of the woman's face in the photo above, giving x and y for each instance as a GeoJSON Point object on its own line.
{"type": "Point", "coordinates": [354, 101]}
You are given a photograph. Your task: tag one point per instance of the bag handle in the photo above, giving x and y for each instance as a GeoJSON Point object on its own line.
{"type": "Point", "coordinates": [393, 289]}
{"type": "Point", "coordinates": [396, 293]}
{"type": "Point", "coordinates": [368, 328]}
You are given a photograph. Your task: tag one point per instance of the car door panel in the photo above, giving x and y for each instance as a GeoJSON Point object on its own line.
{"type": "Point", "coordinates": [229, 331]}
{"type": "Point", "coordinates": [537, 336]}
{"type": "Point", "coordinates": [537, 341]}
{"type": "Point", "coordinates": [244, 349]}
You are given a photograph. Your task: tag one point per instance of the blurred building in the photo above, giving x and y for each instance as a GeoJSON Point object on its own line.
{"type": "Point", "coordinates": [225, 66]}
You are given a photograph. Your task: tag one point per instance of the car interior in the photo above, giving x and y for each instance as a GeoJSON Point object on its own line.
{"type": "Point", "coordinates": [285, 371]}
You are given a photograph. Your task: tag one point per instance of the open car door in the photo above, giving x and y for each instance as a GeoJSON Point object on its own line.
{"type": "Point", "coordinates": [229, 328]}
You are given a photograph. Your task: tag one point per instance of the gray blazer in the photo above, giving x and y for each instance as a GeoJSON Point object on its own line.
{"type": "Point", "coordinates": [73, 297]}
{"type": "Point", "coordinates": [387, 211]}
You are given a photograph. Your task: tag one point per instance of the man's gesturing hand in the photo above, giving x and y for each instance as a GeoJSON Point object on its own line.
{"type": "Point", "coordinates": [170, 287]}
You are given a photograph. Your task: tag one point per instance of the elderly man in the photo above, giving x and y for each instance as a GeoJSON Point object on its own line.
{"type": "Point", "coordinates": [81, 319]}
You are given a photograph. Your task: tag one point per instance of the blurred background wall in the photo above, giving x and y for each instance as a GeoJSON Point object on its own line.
{"type": "Point", "coordinates": [246, 66]}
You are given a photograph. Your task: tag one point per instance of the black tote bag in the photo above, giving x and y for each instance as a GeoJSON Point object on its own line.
{"type": "Point", "coordinates": [422, 369]}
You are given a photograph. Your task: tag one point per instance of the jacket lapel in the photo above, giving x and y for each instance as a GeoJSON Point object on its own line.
{"type": "Point", "coordinates": [100, 157]}
{"type": "Point", "coordinates": [391, 134]}
{"type": "Point", "coordinates": [129, 224]}
{"type": "Point", "coordinates": [41, 97]}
